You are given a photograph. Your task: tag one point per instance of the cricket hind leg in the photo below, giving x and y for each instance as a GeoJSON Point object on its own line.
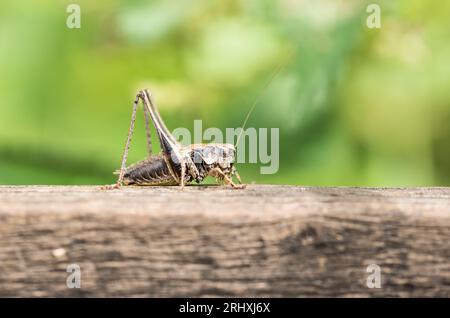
{"type": "Point", "coordinates": [147, 131]}
{"type": "Point", "coordinates": [119, 181]}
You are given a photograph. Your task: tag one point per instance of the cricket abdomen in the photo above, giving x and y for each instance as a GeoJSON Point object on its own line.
{"type": "Point", "coordinates": [152, 171]}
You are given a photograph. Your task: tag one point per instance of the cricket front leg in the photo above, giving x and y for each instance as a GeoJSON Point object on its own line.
{"type": "Point", "coordinates": [238, 177]}
{"type": "Point", "coordinates": [218, 172]}
{"type": "Point", "coordinates": [119, 181]}
{"type": "Point", "coordinates": [183, 173]}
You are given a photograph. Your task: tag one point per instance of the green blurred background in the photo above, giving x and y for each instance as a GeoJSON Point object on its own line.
{"type": "Point", "coordinates": [355, 106]}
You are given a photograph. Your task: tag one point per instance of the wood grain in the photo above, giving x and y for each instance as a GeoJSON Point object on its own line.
{"type": "Point", "coordinates": [213, 241]}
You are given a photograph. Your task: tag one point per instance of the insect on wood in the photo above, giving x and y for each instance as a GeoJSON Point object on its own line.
{"type": "Point", "coordinates": [176, 164]}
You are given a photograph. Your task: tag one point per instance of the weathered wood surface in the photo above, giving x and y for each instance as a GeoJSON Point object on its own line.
{"type": "Point", "coordinates": [213, 241]}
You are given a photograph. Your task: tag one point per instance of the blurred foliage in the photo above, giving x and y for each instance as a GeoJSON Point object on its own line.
{"type": "Point", "coordinates": [355, 106]}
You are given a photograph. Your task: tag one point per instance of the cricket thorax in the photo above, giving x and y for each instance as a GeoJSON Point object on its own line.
{"type": "Point", "coordinates": [208, 157]}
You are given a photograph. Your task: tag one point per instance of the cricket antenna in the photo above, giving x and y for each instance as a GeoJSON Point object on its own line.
{"type": "Point", "coordinates": [277, 71]}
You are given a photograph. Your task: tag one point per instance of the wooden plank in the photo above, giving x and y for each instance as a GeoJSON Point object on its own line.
{"type": "Point", "coordinates": [213, 241]}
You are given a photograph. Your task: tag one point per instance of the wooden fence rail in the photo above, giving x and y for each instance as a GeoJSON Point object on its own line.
{"type": "Point", "coordinates": [264, 241]}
